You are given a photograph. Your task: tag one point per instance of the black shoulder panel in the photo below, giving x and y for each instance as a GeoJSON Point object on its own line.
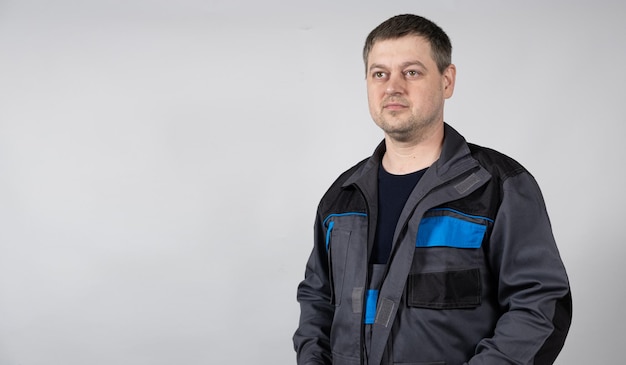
{"type": "Point", "coordinates": [499, 165]}
{"type": "Point", "coordinates": [339, 199]}
{"type": "Point", "coordinates": [485, 201]}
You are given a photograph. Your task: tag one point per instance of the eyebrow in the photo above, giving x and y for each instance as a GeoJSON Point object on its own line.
{"type": "Point", "coordinates": [404, 65]}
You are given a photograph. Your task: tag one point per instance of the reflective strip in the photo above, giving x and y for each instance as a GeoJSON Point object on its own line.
{"type": "Point", "coordinates": [467, 184]}
{"type": "Point", "coordinates": [370, 306]}
{"type": "Point", "coordinates": [357, 300]}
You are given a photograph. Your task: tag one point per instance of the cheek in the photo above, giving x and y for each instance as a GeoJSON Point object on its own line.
{"type": "Point", "coordinates": [370, 99]}
{"type": "Point", "coordinates": [372, 108]}
{"type": "Point", "coordinates": [426, 98]}
{"type": "Point", "coordinates": [374, 105]}
{"type": "Point", "coordinates": [373, 97]}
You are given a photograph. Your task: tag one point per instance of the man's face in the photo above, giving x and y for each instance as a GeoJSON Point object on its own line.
{"type": "Point", "coordinates": [405, 89]}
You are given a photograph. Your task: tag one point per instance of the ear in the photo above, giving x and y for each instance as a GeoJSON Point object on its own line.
{"type": "Point", "coordinates": [448, 78]}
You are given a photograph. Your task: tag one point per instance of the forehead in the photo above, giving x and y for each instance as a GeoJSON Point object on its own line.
{"type": "Point", "coordinates": [400, 50]}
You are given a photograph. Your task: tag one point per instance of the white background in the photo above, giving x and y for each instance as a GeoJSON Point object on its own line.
{"type": "Point", "coordinates": [161, 162]}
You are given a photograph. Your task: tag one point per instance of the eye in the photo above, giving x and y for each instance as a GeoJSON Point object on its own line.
{"type": "Point", "coordinates": [379, 75]}
{"type": "Point", "coordinates": [412, 73]}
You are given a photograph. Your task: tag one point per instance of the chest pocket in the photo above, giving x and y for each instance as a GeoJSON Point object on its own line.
{"type": "Point", "coordinates": [345, 234]}
{"type": "Point", "coordinates": [337, 256]}
{"type": "Point", "coordinates": [446, 272]}
{"type": "Point", "coordinates": [451, 228]}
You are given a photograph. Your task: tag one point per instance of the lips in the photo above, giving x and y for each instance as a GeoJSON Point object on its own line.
{"type": "Point", "coordinates": [395, 105]}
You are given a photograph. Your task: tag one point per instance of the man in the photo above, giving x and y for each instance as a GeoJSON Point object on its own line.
{"type": "Point", "coordinates": [433, 250]}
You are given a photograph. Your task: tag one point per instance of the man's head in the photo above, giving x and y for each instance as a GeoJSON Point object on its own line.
{"type": "Point", "coordinates": [409, 76]}
{"type": "Point", "coordinates": [409, 24]}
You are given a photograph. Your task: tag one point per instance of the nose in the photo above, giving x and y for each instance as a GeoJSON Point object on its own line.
{"type": "Point", "coordinates": [395, 84]}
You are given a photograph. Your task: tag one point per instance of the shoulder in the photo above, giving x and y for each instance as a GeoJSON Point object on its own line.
{"type": "Point", "coordinates": [340, 196]}
{"type": "Point", "coordinates": [341, 180]}
{"type": "Point", "coordinates": [498, 164]}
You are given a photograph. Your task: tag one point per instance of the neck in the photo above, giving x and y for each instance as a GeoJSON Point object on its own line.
{"type": "Point", "coordinates": [405, 157]}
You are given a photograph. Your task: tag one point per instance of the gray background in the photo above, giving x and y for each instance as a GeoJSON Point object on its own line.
{"type": "Point", "coordinates": [161, 162]}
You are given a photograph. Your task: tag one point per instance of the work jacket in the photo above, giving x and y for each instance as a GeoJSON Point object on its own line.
{"type": "Point", "coordinates": [474, 276]}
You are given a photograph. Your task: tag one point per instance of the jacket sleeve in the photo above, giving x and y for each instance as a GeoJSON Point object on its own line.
{"type": "Point", "coordinates": [533, 288]}
{"type": "Point", "coordinates": [312, 338]}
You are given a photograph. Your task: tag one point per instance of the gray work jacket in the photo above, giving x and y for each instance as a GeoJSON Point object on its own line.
{"type": "Point", "coordinates": [474, 276]}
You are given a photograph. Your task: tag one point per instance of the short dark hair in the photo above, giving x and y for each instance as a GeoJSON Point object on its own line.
{"type": "Point", "coordinates": [409, 24]}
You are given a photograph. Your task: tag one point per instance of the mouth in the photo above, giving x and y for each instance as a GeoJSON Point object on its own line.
{"type": "Point", "coordinates": [394, 106]}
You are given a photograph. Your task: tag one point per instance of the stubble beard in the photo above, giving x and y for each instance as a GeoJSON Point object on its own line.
{"type": "Point", "coordinates": [408, 129]}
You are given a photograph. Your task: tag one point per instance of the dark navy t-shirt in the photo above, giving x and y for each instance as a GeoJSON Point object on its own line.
{"type": "Point", "coordinates": [393, 192]}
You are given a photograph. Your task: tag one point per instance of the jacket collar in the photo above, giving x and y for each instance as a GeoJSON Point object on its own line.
{"type": "Point", "coordinates": [455, 155]}
{"type": "Point", "coordinates": [455, 158]}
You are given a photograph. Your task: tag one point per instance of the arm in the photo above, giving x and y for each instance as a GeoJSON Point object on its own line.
{"type": "Point", "coordinates": [312, 338]}
{"type": "Point", "coordinates": [533, 288]}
